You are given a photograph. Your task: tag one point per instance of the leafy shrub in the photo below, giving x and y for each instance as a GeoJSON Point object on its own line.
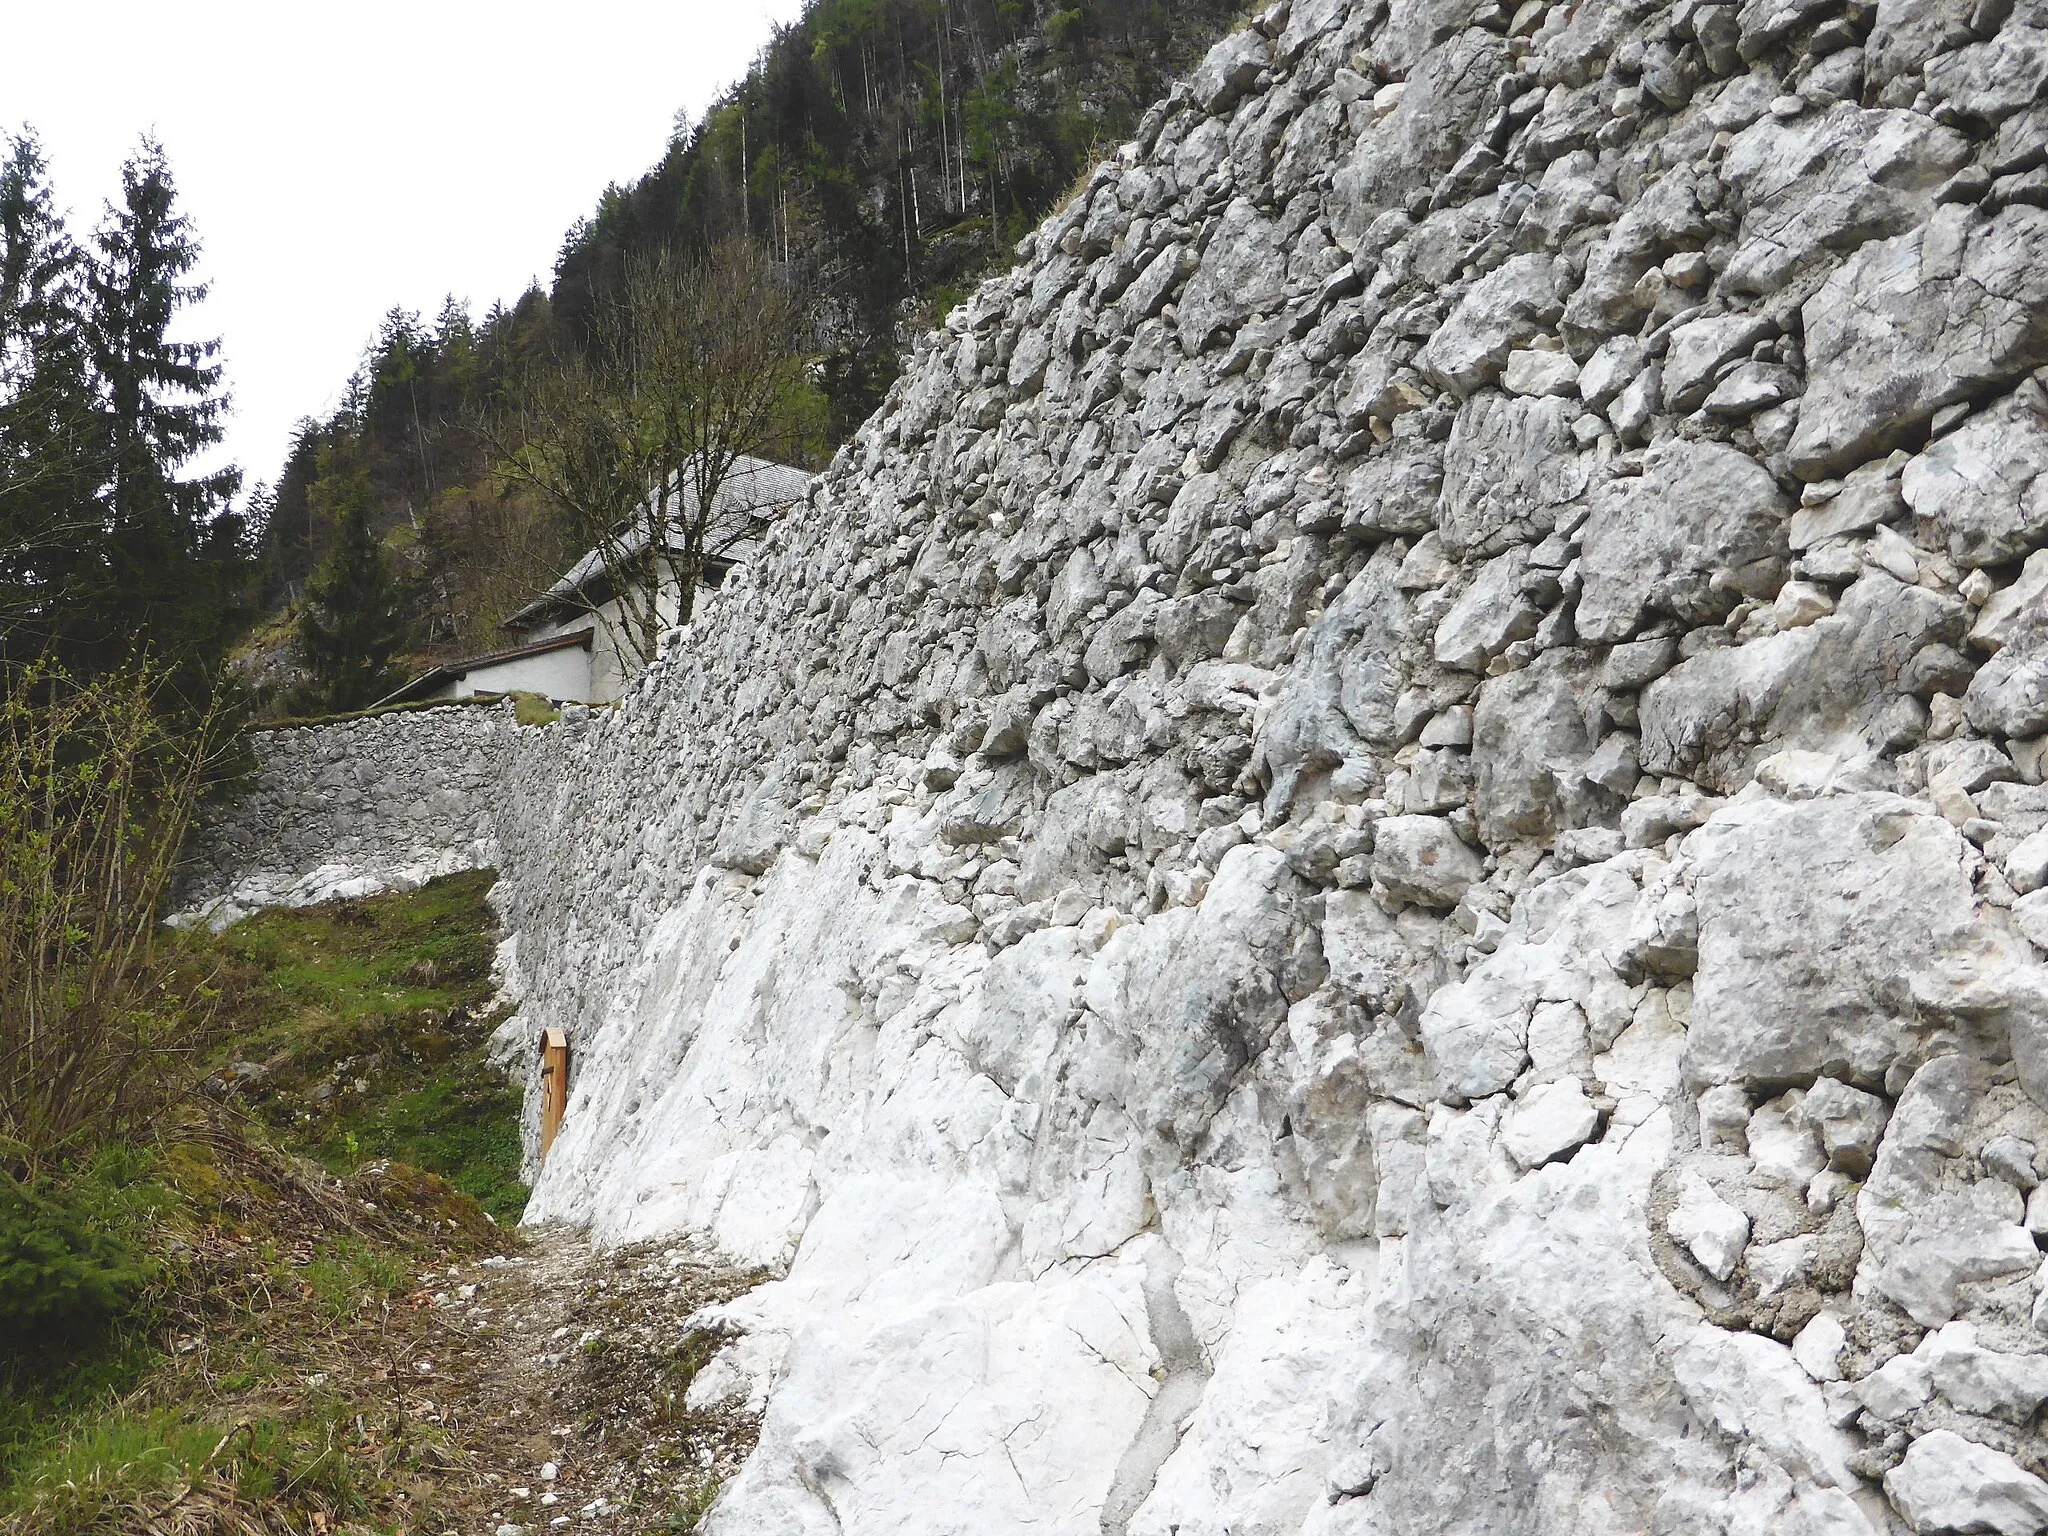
{"type": "Point", "coordinates": [63, 1276]}
{"type": "Point", "coordinates": [98, 783]}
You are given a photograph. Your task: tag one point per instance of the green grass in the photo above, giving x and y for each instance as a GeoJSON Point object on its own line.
{"type": "Point", "coordinates": [110, 1461]}
{"type": "Point", "coordinates": [386, 1002]}
{"type": "Point", "coordinates": [98, 1431]}
{"type": "Point", "coordinates": [41, 1401]}
{"type": "Point", "coordinates": [95, 1478]}
{"type": "Point", "coordinates": [256, 1279]}
{"type": "Point", "coordinates": [349, 1274]}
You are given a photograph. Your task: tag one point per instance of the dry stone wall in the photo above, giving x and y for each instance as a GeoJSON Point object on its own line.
{"type": "Point", "coordinates": [1376, 861]}
{"type": "Point", "coordinates": [356, 806]}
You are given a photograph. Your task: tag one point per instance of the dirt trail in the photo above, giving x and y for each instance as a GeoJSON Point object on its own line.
{"type": "Point", "coordinates": [556, 1378]}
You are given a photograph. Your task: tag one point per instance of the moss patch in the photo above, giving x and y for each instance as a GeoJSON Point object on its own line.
{"type": "Point", "coordinates": [534, 709]}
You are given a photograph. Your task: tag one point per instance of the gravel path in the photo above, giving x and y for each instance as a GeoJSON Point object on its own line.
{"type": "Point", "coordinates": [556, 1378]}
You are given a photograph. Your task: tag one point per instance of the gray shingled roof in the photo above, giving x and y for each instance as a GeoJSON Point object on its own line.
{"type": "Point", "coordinates": [755, 489]}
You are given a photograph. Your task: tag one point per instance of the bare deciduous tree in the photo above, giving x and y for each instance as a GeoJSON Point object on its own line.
{"type": "Point", "coordinates": [645, 438]}
{"type": "Point", "coordinates": [494, 544]}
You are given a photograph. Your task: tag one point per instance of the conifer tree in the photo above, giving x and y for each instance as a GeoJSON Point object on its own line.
{"type": "Point", "coordinates": [352, 622]}
{"type": "Point", "coordinates": [172, 562]}
{"type": "Point", "coordinates": [53, 458]}
{"type": "Point", "coordinates": [286, 550]}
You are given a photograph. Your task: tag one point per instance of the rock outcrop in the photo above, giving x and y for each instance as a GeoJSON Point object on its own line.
{"type": "Point", "coordinates": [1376, 861]}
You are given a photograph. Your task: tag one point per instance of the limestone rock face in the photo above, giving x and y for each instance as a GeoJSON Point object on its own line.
{"type": "Point", "coordinates": [1658, 542]}
{"type": "Point", "coordinates": [1917, 322]}
{"type": "Point", "coordinates": [1982, 485]}
{"type": "Point", "coordinates": [1813, 919]}
{"type": "Point", "coordinates": [1948, 1483]}
{"type": "Point", "coordinates": [1374, 862]}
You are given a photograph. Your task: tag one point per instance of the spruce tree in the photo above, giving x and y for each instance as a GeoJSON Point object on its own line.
{"type": "Point", "coordinates": [53, 444]}
{"type": "Point", "coordinates": [352, 622]}
{"type": "Point", "coordinates": [173, 567]}
{"type": "Point", "coordinates": [285, 534]}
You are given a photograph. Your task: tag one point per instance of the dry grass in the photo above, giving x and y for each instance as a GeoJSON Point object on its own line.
{"type": "Point", "coordinates": [280, 1330]}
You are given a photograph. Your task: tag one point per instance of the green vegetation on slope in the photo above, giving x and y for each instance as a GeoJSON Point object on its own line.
{"type": "Point", "coordinates": [198, 1332]}
{"type": "Point", "coordinates": [897, 150]}
{"type": "Point", "coordinates": [358, 1032]}
{"type": "Point", "coordinates": [247, 1386]}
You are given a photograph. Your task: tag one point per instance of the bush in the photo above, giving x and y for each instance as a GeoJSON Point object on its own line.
{"type": "Point", "coordinates": [63, 1278]}
{"type": "Point", "coordinates": [98, 783]}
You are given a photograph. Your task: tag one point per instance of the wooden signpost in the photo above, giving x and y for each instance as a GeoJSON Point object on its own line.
{"type": "Point", "coordinates": [554, 1086]}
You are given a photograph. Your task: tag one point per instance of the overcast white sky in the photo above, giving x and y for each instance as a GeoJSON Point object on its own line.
{"type": "Point", "coordinates": [338, 160]}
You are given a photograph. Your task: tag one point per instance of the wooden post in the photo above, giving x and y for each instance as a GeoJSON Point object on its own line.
{"type": "Point", "coordinates": [554, 1086]}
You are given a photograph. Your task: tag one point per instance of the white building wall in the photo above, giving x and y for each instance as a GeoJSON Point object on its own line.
{"type": "Point", "coordinates": [612, 661]}
{"type": "Point", "coordinates": [563, 674]}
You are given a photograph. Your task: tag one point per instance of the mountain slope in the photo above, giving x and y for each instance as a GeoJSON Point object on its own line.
{"type": "Point", "coordinates": [890, 151]}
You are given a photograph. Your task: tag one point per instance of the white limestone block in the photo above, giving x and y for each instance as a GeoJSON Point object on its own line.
{"type": "Point", "coordinates": [1711, 1229]}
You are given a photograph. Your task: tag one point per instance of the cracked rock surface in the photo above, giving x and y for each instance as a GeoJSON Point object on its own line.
{"type": "Point", "coordinates": [1373, 862]}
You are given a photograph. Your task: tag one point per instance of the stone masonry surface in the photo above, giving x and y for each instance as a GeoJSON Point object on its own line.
{"type": "Point", "coordinates": [1376, 862]}
{"type": "Point", "coordinates": [376, 803]}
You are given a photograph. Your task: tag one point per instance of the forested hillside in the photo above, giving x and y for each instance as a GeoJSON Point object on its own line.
{"type": "Point", "coordinates": [896, 149]}
{"type": "Point", "coordinates": [885, 153]}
